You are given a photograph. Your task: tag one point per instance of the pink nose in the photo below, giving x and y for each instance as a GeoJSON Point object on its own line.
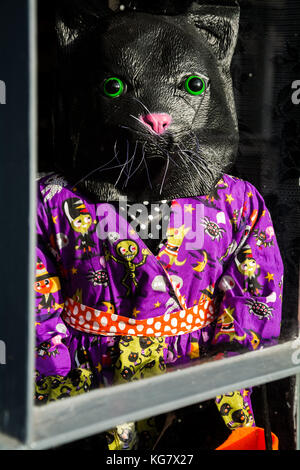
{"type": "Point", "coordinates": [157, 122]}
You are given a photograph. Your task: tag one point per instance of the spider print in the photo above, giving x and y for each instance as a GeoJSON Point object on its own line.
{"type": "Point", "coordinates": [98, 278]}
{"type": "Point", "coordinates": [259, 309]}
{"type": "Point", "coordinates": [212, 229]}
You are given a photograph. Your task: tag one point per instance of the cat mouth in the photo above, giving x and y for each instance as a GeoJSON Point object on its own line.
{"type": "Point", "coordinates": [144, 167]}
{"type": "Point", "coordinates": [149, 172]}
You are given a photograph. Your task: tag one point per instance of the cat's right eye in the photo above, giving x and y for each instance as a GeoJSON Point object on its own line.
{"type": "Point", "coordinates": [195, 85]}
{"type": "Point", "coordinates": [114, 87]}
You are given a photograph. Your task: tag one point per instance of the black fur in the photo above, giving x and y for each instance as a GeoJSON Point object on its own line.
{"type": "Point", "coordinates": [103, 147]}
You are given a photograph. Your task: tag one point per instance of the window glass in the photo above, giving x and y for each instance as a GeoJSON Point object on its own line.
{"type": "Point", "coordinates": [217, 261]}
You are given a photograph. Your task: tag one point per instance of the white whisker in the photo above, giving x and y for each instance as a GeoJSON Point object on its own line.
{"type": "Point", "coordinates": [144, 106]}
{"type": "Point", "coordinates": [164, 177]}
{"type": "Point", "coordinates": [147, 171]}
{"type": "Point", "coordinates": [94, 171]}
{"type": "Point", "coordinates": [187, 167]}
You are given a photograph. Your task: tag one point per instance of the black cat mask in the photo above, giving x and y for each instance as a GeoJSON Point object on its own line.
{"type": "Point", "coordinates": [146, 107]}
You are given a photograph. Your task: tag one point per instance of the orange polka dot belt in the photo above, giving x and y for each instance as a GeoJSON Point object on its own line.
{"type": "Point", "coordinates": [97, 322]}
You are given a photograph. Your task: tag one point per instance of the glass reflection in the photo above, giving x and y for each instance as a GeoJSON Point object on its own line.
{"type": "Point", "coordinates": [141, 288]}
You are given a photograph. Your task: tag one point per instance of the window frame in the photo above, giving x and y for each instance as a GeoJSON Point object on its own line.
{"type": "Point", "coordinates": [25, 426]}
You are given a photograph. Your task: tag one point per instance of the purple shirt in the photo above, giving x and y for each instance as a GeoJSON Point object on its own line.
{"type": "Point", "coordinates": [222, 246]}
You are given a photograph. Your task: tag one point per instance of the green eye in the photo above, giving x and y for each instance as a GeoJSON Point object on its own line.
{"type": "Point", "coordinates": [195, 85]}
{"type": "Point", "coordinates": [113, 87]}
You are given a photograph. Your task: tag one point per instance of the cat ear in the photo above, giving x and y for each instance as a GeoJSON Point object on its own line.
{"type": "Point", "coordinates": [219, 24]}
{"type": "Point", "coordinates": [76, 17]}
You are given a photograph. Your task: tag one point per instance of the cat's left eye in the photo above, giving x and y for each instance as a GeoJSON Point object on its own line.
{"type": "Point", "coordinates": [114, 87]}
{"type": "Point", "coordinates": [195, 85]}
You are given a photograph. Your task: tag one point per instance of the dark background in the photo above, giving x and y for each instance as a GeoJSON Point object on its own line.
{"type": "Point", "coordinates": [266, 62]}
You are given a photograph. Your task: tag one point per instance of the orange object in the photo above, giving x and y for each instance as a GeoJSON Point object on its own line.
{"type": "Point", "coordinates": [98, 322]}
{"type": "Point", "coordinates": [248, 439]}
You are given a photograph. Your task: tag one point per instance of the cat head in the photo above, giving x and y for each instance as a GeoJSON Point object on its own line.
{"type": "Point", "coordinates": [146, 106]}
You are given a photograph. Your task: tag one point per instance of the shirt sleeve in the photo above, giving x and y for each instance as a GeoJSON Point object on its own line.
{"type": "Point", "coordinates": [51, 355]}
{"type": "Point", "coordinates": [251, 285]}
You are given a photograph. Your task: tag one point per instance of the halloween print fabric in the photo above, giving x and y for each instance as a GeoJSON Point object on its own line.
{"type": "Point", "coordinates": [107, 305]}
